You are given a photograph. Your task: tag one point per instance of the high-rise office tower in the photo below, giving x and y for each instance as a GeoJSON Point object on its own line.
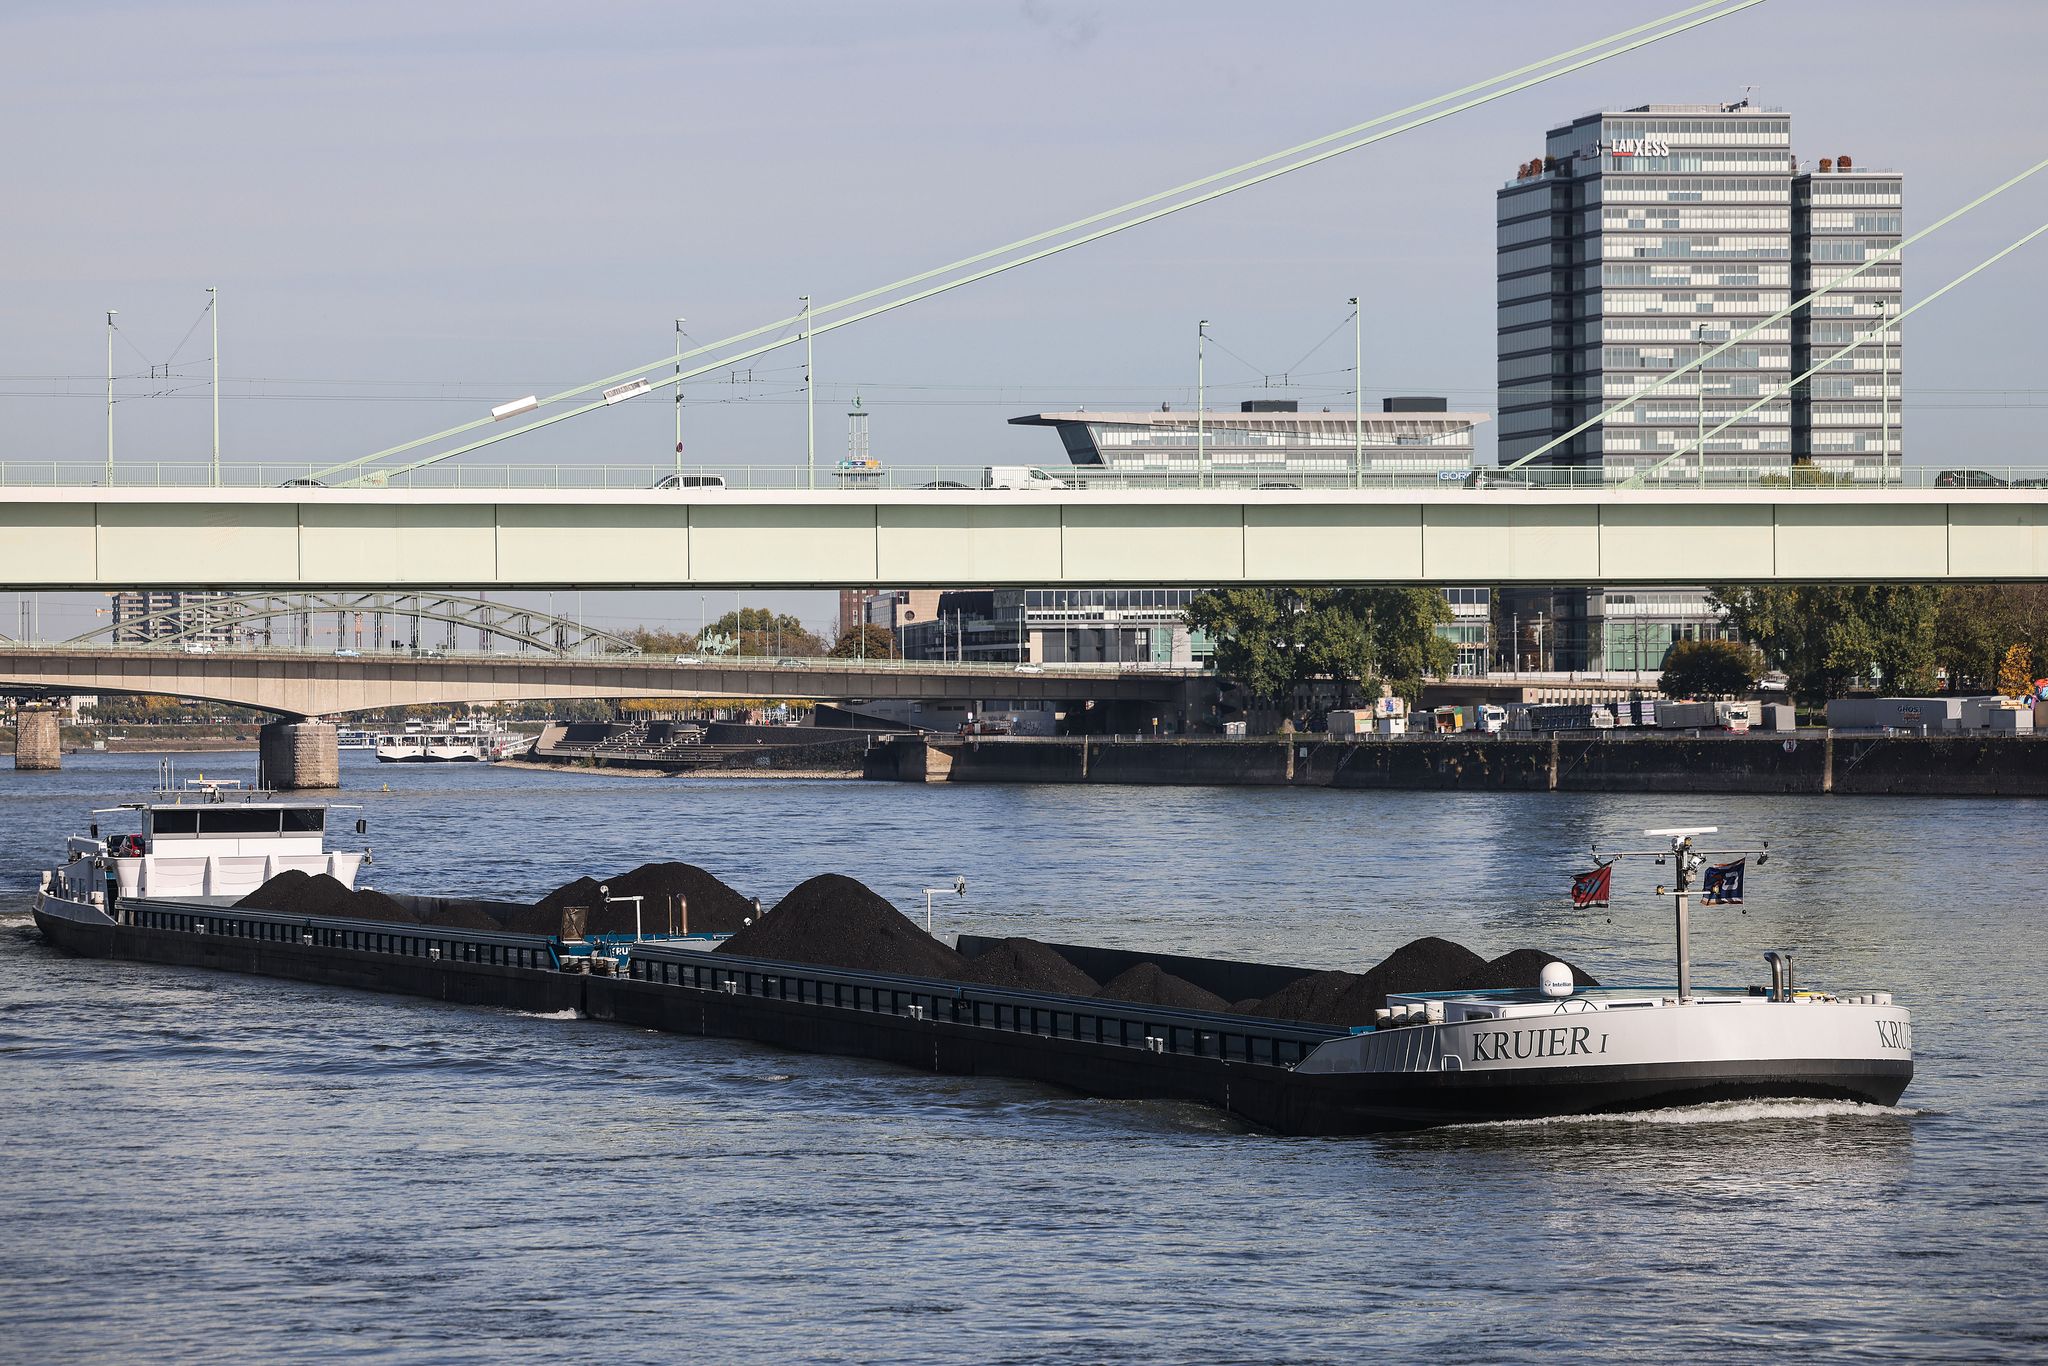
{"type": "Point", "coordinates": [1846, 418]}
{"type": "Point", "coordinates": [1638, 240]}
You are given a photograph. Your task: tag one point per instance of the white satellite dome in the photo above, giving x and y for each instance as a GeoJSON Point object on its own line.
{"type": "Point", "coordinates": [1556, 980]}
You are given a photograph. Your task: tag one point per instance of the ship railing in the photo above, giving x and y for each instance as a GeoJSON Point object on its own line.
{"type": "Point", "coordinates": [398, 938]}
{"type": "Point", "coordinates": [1084, 1019]}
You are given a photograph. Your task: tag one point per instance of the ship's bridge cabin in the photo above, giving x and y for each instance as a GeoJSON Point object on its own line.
{"type": "Point", "coordinates": [217, 841]}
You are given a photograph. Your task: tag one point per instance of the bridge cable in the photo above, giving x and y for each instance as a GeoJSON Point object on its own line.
{"type": "Point", "coordinates": [1636, 480]}
{"type": "Point", "coordinates": [1782, 314]}
{"type": "Point", "coordinates": [1691, 15]}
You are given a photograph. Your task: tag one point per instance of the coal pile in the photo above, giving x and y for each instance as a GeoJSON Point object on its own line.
{"type": "Point", "coordinates": [461, 916]}
{"type": "Point", "coordinates": [1151, 985]}
{"type": "Point", "coordinates": [835, 921]}
{"type": "Point", "coordinates": [371, 905]}
{"type": "Point", "coordinates": [296, 893]}
{"type": "Point", "coordinates": [1027, 965]}
{"type": "Point", "coordinates": [1344, 998]}
{"type": "Point", "coordinates": [1430, 964]}
{"type": "Point", "coordinates": [714, 908]}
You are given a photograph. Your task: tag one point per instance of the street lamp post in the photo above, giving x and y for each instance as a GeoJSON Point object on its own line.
{"type": "Point", "coordinates": [213, 311]}
{"type": "Point", "coordinates": [111, 313]}
{"type": "Point", "coordinates": [810, 405]}
{"type": "Point", "coordinates": [1201, 402]}
{"type": "Point", "coordinates": [1357, 394]}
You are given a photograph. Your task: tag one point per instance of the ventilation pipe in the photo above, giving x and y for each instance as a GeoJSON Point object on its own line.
{"type": "Point", "coordinates": [1777, 975]}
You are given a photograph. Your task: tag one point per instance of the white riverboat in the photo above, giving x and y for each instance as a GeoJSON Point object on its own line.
{"type": "Point", "coordinates": [203, 841]}
{"type": "Point", "coordinates": [453, 742]}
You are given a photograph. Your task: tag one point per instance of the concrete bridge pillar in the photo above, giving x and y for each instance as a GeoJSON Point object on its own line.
{"type": "Point", "coordinates": [36, 739]}
{"type": "Point", "coordinates": [294, 756]}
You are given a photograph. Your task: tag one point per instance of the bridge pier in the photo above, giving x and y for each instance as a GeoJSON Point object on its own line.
{"type": "Point", "coordinates": [37, 732]}
{"type": "Point", "coordinates": [296, 756]}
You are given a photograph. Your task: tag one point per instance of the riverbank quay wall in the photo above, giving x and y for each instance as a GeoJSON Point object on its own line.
{"type": "Point", "coordinates": [1860, 765]}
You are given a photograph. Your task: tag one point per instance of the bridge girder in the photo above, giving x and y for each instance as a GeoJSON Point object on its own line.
{"type": "Point", "coordinates": [297, 684]}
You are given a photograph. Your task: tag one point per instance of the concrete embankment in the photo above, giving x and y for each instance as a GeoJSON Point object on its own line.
{"type": "Point", "coordinates": [1813, 763]}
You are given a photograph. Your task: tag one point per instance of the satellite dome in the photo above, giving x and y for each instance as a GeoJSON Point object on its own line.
{"type": "Point", "coordinates": [1556, 980]}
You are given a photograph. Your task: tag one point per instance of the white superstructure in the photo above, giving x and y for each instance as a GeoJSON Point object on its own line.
{"type": "Point", "coordinates": [206, 839]}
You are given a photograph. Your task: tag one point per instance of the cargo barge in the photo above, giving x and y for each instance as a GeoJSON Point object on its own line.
{"type": "Point", "coordinates": [1428, 1059]}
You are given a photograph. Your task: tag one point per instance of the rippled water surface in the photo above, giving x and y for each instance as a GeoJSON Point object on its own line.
{"type": "Point", "coordinates": [208, 1166]}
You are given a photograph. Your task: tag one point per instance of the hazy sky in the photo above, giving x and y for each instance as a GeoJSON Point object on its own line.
{"type": "Point", "coordinates": [413, 211]}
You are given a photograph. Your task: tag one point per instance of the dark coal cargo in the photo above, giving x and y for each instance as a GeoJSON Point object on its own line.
{"type": "Point", "coordinates": [833, 920]}
{"type": "Point", "coordinates": [836, 921]}
{"type": "Point", "coordinates": [671, 894]}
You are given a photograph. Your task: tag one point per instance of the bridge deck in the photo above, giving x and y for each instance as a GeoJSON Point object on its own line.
{"type": "Point", "coordinates": [68, 538]}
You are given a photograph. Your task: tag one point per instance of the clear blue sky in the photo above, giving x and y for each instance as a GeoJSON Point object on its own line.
{"type": "Point", "coordinates": [401, 201]}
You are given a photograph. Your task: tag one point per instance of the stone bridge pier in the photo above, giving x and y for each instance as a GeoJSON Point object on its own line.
{"type": "Point", "coordinates": [298, 756]}
{"type": "Point", "coordinates": [37, 739]}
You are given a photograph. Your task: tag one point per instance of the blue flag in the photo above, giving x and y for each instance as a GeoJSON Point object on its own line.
{"type": "Point", "coordinates": [1723, 885]}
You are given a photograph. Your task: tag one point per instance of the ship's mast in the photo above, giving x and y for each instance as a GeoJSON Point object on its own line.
{"type": "Point", "coordinates": [1689, 861]}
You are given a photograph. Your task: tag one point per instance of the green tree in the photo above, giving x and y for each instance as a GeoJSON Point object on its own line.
{"type": "Point", "coordinates": [1976, 624]}
{"type": "Point", "coordinates": [653, 642]}
{"type": "Point", "coordinates": [1831, 638]}
{"type": "Point", "coordinates": [1711, 668]}
{"type": "Point", "coordinates": [1271, 641]}
{"type": "Point", "coordinates": [865, 642]}
{"type": "Point", "coordinates": [762, 632]}
{"type": "Point", "coordinates": [1408, 648]}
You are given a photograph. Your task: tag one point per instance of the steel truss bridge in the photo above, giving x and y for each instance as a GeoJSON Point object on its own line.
{"type": "Point", "coordinates": [232, 617]}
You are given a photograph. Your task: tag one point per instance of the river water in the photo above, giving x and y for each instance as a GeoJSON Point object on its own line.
{"type": "Point", "coordinates": [208, 1166]}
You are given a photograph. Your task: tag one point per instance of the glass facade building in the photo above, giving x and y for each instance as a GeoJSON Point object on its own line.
{"type": "Point", "coordinates": [1643, 238]}
{"type": "Point", "coordinates": [1269, 440]}
{"type": "Point", "coordinates": [1846, 418]}
{"type": "Point", "coordinates": [1640, 239]}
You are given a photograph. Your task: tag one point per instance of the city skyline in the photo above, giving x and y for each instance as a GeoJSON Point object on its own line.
{"type": "Point", "coordinates": [432, 248]}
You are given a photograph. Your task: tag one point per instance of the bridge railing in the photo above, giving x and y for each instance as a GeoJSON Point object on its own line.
{"type": "Point", "coordinates": [1249, 478]}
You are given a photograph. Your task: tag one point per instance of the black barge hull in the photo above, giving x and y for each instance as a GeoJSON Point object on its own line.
{"type": "Point", "coordinates": [1113, 1050]}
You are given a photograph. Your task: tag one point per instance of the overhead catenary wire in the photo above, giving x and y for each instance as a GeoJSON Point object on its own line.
{"type": "Point", "coordinates": [1884, 377]}
{"type": "Point", "coordinates": [1307, 355]}
{"type": "Point", "coordinates": [1671, 25]}
{"type": "Point", "coordinates": [1700, 360]}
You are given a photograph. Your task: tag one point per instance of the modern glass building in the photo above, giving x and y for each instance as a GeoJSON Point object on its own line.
{"type": "Point", "coordinates": [1846, 418]}
{"type": "Point", "coordinates": [1269, 440]}
{"type": "Point", "coordinates": [1639, 239]}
